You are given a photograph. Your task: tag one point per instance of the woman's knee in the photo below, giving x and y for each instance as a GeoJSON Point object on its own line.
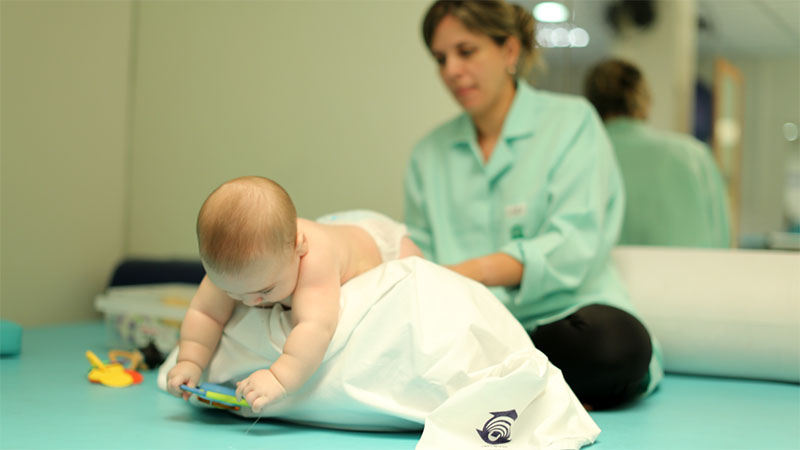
{"type": "Point", "coordinates": [618, 339]}
{"type": "Point", "coordinates": [603, 352]}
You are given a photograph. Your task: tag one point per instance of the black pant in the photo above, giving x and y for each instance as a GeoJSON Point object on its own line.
{"type": "Point", "coordinates": [603, 352]}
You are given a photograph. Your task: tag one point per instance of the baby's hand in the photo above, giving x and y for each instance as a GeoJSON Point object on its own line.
{"type": "Point", "coordinates": [185, 372]}
{"type": "Point", "coordinates": [259, 389]}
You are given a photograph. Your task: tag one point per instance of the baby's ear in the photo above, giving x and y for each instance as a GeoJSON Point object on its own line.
{"type": "Point", "coordinates": [301, 244]}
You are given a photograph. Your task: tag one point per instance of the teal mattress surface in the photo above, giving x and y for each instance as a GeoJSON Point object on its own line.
{"type": "Point", "coordinates": [47, 402]}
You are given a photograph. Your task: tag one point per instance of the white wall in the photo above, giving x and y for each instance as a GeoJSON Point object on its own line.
{"type": "Point", "coordinates": [63, 140]}
{"type": "Point", "coordinates": [667, 55]}
{"type": "Point", "coordinates": [772, 98]}
{"type": "Point", "coordinates": [665, 52]}
{"type": "Point", "coordinates": [327, 98]}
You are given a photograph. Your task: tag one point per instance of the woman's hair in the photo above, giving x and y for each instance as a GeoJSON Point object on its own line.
{"type": "Point", "coordinates": [616, 88]}
{"type": "Point", "coordinates": [494, 18]}
{"type": "Point", "coordinates": [242, 220]}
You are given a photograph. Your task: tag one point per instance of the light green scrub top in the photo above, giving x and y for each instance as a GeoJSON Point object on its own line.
{"type": "Point", "coordinates": [550, 196]}
{"type": "Point", "coordinates": [675, 195]}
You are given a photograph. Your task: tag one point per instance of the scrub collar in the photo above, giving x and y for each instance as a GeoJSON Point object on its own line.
{"type": "Point", "coordinates": [517, 124]}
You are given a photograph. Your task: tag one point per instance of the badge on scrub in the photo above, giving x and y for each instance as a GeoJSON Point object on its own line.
{"type": "Point", "coordinates": [514, 212]}
{"type": "Point", "coordinates": [516, 232]}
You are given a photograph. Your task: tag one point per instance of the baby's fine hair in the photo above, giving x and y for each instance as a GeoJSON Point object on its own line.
{"type": "Point", "coordinates": [497, 19]}
{"type": "Point", "coordinates": [242, 220]}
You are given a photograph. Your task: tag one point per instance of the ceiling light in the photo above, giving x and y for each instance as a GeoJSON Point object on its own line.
{"type": "Point", "coordinates": [550, 12]}
{"type": "Point", "coordinates": [562, 35]}
{"type": "Point", "coordinates": [559, 37]}
{"type": "Point", "coordinates": [578, 37]}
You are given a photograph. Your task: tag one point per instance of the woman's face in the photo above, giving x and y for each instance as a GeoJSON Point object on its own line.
{"type": "Point", "coordinates": [473, 67]}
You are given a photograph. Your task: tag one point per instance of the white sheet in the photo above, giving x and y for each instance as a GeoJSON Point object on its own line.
{"type": "Point", "coordinates": [416, 344]}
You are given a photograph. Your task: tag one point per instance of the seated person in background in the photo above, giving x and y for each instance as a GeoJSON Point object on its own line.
{"type": "Point", "coordinates": [675, 195]}
{"type": "Point", "coordinates": [257, 251]}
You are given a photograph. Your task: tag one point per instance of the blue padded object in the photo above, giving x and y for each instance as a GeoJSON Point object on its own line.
{"type": "Point", "coordinates": [47, 402]}
{"type": "Point", "coordinates": [10, 338]}
{"type": "Point", "coordinates": [140, 271]}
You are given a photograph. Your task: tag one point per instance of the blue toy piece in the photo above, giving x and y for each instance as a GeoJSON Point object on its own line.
{"type": "Point", "coordinates": [10, 338]}
{"type": "Point", "coordinates": [216, 395]}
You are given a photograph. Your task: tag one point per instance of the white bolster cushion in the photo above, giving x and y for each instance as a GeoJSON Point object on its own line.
{"type": "Point", "coordinates": [733, 313]}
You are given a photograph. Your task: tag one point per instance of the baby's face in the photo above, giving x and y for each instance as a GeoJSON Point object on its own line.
{"type": "Point", "coordinates": [265, 282]}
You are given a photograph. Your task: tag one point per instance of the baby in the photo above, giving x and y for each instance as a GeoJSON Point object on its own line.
{"type": "Point", "coordinates": [257, 251]}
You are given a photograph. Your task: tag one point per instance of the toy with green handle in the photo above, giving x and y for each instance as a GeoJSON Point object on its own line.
{"type": "Point", "coordinates": [216, 395]}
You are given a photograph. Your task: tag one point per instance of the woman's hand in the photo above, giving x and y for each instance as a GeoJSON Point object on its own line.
{"type": "Point", "coordinates": [467, 268]}
{"type": "Point", "coordinates": [496, 269]}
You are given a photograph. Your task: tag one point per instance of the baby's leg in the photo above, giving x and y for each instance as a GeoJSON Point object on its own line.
{"type": "Point", "coordinates": [409, 248]}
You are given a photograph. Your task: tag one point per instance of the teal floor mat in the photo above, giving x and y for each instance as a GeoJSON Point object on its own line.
{"type": "Point", "coordinates": [46, 402]}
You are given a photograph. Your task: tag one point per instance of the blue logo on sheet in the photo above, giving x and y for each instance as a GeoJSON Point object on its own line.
{"type": "Point", "coordinates": [497, 430]}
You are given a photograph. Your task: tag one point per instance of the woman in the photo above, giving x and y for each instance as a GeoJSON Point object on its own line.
{"type": "Point", "coordinates": [675, 193]}
{"type": "Point", "coordinates": [521, 193]}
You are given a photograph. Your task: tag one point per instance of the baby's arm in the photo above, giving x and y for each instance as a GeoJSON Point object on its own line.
{"type": "Point", "coordinates": [315, 313]}
{"type": "Point", "coordinates": [202, 327]}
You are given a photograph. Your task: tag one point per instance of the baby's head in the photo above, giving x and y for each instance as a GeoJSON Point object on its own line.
{"type": "Point", "coordinates": [247, 234]}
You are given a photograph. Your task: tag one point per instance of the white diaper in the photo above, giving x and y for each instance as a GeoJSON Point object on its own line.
{"type": "Point", "coordinates": [387, 233]}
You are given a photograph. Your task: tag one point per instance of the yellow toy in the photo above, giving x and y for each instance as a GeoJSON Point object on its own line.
{"type": "Point", "coordinates": [131, 360]}
{"type": "Point", "coordinates": [113, 375]}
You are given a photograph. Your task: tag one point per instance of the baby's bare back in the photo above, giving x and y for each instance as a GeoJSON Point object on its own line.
{"type": "Point", "coordinates": [352, 248]}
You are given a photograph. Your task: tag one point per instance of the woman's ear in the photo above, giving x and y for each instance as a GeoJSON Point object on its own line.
{"type": "Point", "coordinates": [511, 51]}
{"type": "Point", "coordinates": [643, 101]}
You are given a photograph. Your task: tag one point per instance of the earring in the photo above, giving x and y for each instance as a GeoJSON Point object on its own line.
{"type": "Point", "coordinates": [511, 70]}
